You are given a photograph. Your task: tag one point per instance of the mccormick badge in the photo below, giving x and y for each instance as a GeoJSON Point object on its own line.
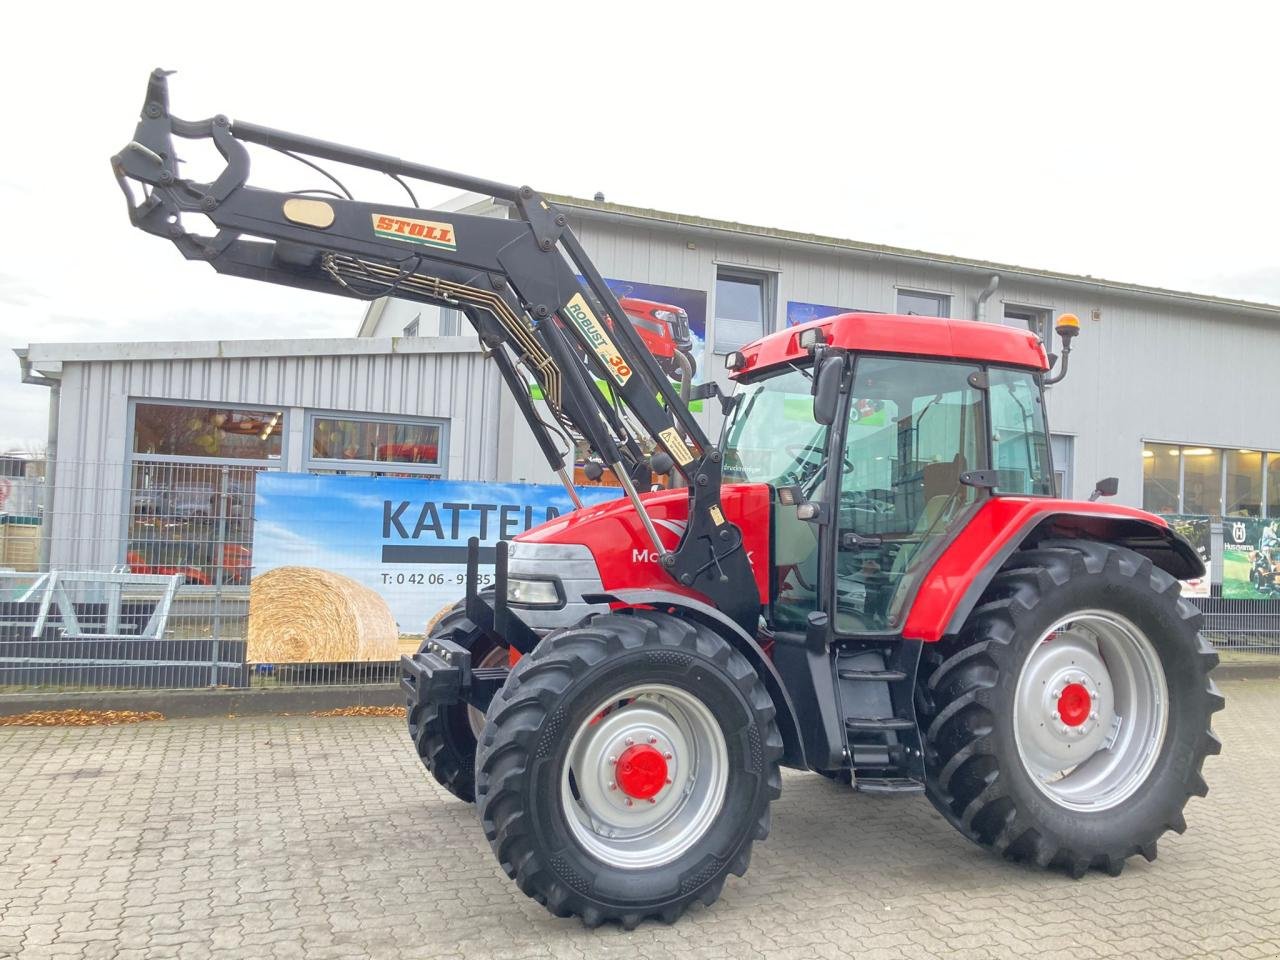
{"type": "Point", "coordinates": [428, 233]}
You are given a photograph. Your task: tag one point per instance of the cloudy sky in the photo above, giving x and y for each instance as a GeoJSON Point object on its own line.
{"type": "Point", "coordinates": [1130, 141]}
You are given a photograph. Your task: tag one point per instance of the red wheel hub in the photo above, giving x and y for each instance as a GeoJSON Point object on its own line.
{"type": "Point", "coordinates": [642, 771]}
{"type": "Point", "coordinates": [1074, 704]}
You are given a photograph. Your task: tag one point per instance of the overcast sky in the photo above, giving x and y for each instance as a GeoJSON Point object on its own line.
{"type": "Point", "coordinates": [1136, 142]}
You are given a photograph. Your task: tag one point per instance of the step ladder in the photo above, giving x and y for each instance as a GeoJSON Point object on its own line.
{"type": "Point", "coordinates": [875, 684]}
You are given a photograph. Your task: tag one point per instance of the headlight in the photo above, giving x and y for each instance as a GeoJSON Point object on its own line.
{"type": "Point", "coordinates": [668, 315]}
{"type": "Point", "coordinates": [534, 593]}
{"type": "Point", "coordinates": [653, 326]}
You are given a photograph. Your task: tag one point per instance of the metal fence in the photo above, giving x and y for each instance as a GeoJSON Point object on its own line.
{"type": "Point", "coordinates": [137, 576]}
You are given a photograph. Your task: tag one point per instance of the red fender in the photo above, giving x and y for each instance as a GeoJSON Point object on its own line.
{"type": "Point", "coordinates": [953, 586]}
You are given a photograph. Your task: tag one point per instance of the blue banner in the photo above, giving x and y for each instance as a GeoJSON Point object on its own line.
{"type": "Point", "coordinates": [404, 538]}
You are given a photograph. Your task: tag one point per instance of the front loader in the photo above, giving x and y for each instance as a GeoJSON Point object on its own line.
{"type": "Point", "coordinates": [869, 576]}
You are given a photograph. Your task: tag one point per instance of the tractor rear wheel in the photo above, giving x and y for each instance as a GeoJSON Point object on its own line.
{"type": "Point", "coordinates": [1068, 722]}
{"type": "Point", "coordinates": [445, 737]}
{"type": "Point", "coordinates": [626, 768]}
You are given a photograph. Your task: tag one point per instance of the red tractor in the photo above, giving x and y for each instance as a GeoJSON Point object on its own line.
{"type": "Point", "coordinates": [869, 577]}
{"type": "Point", "coordinates": [664, 330]}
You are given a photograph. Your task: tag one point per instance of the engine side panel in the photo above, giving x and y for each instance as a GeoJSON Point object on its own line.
{"type": "Point", "coordinates": [623, 553]}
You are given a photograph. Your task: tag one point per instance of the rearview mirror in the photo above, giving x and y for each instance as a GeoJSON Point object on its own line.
{"type": "Point", "coordinates": [1107, 487]}
{"type": "Point", "coordinates": [826, 390]}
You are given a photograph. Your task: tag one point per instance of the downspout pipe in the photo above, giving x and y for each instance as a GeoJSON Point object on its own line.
{"type": "Point", "coordinates": [51, 452]}
{"type": "Point", "coordinates": [980, 313]}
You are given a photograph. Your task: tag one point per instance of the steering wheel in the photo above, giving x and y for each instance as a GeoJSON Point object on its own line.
{"type": "Point", "coordinates": [795, 450]}
{"type": "Point", "coordinates": [860, 500]}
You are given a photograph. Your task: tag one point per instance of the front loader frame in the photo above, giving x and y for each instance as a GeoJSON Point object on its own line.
{"type": "Point", "coordinates": [516, 281]}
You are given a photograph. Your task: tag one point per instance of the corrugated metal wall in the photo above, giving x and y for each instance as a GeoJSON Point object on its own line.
{"type": "Point", "coordinates": [454, 383]}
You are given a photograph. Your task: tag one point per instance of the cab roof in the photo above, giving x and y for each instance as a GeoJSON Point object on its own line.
{"type": "Point", "coordinates": [889, 333]}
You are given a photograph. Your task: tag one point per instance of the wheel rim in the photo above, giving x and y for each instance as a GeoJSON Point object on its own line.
{"type": "Point", "coordinates": [1091, 710]}
{"type": "Point", "coordinates": [645, 776]}
{"type": "Point", "coordinates": [475, 718]}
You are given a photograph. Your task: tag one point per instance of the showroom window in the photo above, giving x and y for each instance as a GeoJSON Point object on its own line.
{"type": "Point", "coordinates": [222, 433]}
{"type": "Point", "coordinates": [743, 307]}
{"type": "Point", "coordinates": [377, 445]}
{"type": "Point", "coordinates": [921, 304]}
{"type": "Point", "coordinates": [192, 475]}
{"type": "Point", "coordinates": [1210, 481]}
{"type": "Point", "coordinates": [1243, 483]}
{"type": "Point", "coordinates": [1161, 478]}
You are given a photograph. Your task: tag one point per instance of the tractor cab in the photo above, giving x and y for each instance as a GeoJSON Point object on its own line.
{"type": "Point", "coordinates": [915, 439]}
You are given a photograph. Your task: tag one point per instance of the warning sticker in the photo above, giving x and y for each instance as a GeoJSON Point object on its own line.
{"type": "Point", "coordinates": [717, 516]}
{"type": "Point", "coordinates": [672, 440]}
{"type": "Point", "coordinates": [580, 315]}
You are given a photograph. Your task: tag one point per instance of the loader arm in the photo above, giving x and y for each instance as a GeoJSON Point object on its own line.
{"type": "Point", "coordinates": [516, 281]}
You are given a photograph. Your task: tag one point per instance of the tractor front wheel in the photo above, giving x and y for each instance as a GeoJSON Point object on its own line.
{"type": "Point", "coordinates": [445, 737]}
{"type": "Point", "coordinates": [1068, 722]}
{"type": "Point", "coordinates": [626, 768]}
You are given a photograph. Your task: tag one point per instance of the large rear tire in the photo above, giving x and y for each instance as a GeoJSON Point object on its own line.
{"type": "Point", "coordinates": [1068, 722]}
{"type": "Point", "coordinates": [445, 737]}
{"type": "Point", "coordinates": [627, 767]}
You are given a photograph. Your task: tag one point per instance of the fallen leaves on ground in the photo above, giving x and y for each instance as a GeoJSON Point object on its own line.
{"type": "Point", "coordinates": [361, 712]}
{"type": "Point", "coordinates": [78, 718]}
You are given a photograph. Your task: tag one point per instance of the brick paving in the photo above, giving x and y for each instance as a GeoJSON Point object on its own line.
{"type": "Point", "coordinates": [290, 837]}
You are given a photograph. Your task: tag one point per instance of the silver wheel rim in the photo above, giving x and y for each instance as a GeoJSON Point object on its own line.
{"type": "Point", "coordinates": [475, 718]}
{"type": "Point", "coordinates": [637, 832]}
{"type": "Point", "coordinates": [1091, 710]}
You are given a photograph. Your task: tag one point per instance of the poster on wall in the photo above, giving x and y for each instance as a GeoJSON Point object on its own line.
{"type": "Point", "coordinates": [349, 568]}
{"type": "Point", "coordinates": [1250, 558]}
{"type": "Point", "coordinates": [1195, 530]}
{"type": "Point", "coordinates": [801, 312]}
{"type": "Point", "coordinates": [670, 321]}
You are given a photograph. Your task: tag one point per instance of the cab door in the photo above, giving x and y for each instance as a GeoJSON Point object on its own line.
{"type": "Point", "coordinates": [913, 428]}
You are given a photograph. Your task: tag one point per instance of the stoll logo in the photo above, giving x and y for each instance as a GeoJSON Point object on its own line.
{"type": "Point", "coordinates": [428, 233]}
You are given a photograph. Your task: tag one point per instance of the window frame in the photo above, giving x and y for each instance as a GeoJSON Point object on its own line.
{"type": "Point", "coordinates": [947, 298]}
{"type": "Point", "coordinates": [767, 282]}
{"type": "Point", "coordinates": [1068, 469]}
{"type": "Point", "coordinates": [312, 463]}
{"type": "Point", "coordinates": [1045, 314]}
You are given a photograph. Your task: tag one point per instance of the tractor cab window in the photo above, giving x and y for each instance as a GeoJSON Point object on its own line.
{"type": "Point", "coordinates": [771, 437]}
{"type": "Point", "coordinates": [1019, 434]}
{"type": "Point", "coordinates": [914, 427]}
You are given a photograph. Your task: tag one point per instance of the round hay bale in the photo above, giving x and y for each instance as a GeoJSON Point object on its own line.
{"type": "Point", "coordinates": [305, 615]}
{"type": "Point", "coordinates": [440, 615]}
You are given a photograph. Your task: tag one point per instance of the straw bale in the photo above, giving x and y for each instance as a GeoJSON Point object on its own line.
{"type": "Point", "coordinates": [302, 614]}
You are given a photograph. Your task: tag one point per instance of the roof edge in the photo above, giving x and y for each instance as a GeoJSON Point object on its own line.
{"type": "Point", "coordinates": [43, 353]}
{"type": "Point", "coordinates": [884, 250]}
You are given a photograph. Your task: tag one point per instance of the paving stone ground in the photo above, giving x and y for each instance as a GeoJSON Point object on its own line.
{"type": "Point", "coordinates": [291, 837]}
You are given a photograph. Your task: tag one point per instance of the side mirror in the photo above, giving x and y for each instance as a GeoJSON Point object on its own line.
{"type": "Point", "coordinates": [1107, 487]}
{"type": "Point", "coordinates": [826, 389]}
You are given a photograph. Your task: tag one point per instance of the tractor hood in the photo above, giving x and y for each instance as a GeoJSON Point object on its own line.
{"type": "Point", "coordinates": [622, 551]}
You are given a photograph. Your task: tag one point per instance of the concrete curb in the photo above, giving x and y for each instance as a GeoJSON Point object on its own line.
{"type": "Point", "coordinates": [177, 704]}
{"type": "Point", "coordinates": [1248, 670]}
